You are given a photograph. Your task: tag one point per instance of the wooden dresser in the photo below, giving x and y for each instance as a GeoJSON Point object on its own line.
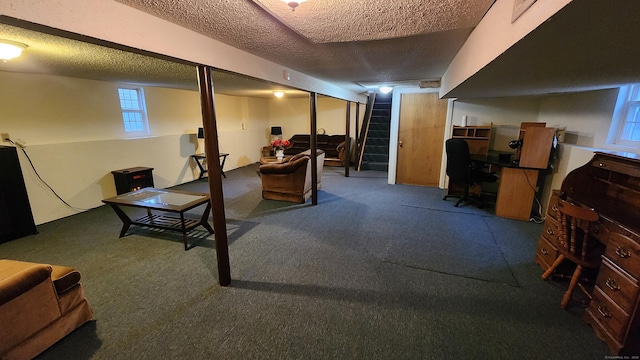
{"type": "Point", "coordinates": [609, 183]}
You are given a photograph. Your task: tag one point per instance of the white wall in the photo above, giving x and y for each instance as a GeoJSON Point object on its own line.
{"type": "Point", "coordinates": [75, 137]}
{"type": "Point", "coordinates": [242, 145]}
{"type": "Point", "coordinates": [586, 116]}
{"type": "Point", "coordinates": [293, 116]}
{"type": "Point", "coordinates": [494, 35]}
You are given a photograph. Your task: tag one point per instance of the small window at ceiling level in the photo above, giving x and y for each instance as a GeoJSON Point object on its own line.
{"type": "Point", "coordinates": [134, 110]}
{"type": "Point", "coordinates": [626, 117]}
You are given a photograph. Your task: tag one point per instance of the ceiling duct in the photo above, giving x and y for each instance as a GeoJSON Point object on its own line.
{"type": "Point", "coordinates": [427, 84]}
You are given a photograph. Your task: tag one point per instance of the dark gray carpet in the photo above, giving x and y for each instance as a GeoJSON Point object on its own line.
{"type": "Point", "coordinates": [375, 271]}
{"type": "Point", "coordinates": [446, 242]}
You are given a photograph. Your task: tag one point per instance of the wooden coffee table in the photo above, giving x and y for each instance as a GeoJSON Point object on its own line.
{"type": "Point", "coordinates": [273, 160]}
{"type": "Point", "coordinates": [166, 201]}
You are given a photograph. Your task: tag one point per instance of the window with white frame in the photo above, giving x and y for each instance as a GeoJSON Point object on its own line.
{"type": "Point", "coordinates": [134, 110]}
{"type": "Point", "coordinates": [626, 117]}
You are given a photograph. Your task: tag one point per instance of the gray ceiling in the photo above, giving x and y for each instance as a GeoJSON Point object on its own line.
{"type": "Point", "coordinates": [589, 44]}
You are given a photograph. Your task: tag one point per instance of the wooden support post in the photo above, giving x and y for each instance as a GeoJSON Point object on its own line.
{"type": "Point", "coordinates": [347, 139]}
{"type": "Point", "coordinates": [357, 127]}
{"type": "Point", "coordinates": [215, 178]}
{"type": "Point", "coordinates": [313, 104]}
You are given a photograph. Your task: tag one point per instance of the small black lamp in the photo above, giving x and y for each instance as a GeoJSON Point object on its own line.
{"type": "Point", "coordinates": [200, 133]}
{"type": "Point", "coordinates": [276, 130]}
{"type": "Point", "coordinates": [514, 144]}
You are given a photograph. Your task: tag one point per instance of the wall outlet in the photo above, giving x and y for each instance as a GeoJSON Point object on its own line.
{"type": "Point", "coordinates": [5, 136]}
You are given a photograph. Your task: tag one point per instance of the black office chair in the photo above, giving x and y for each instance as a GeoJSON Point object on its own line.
{"type": "Point", "coordinates": [461, 170]}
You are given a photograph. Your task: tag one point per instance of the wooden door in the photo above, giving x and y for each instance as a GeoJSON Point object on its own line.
{"type": "Point", "coordinates": [420, 139]}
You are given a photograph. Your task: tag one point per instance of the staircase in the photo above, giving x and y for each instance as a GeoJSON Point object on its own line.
{"type": "Point", "coordinates": [376, 150]}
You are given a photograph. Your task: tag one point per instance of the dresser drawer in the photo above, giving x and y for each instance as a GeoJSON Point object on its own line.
{"type": "Point", "coordinates": [624, 252]}
{"type": "Point", "coordinates": [552, 207]}
{"type": "Point", "coordinates": [546, 253]}
{"type": "Point", "coordinates": [609, 314]}
{"type": "Point", "coordinates": [550, 231]}
{"type": "Point", "coordinates": [618, 286]}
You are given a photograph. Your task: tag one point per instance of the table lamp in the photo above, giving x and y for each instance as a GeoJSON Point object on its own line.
{"type": "Point", "coordinates": [200, 136]}
{"type": "Point", "coordinates": [276, 132]}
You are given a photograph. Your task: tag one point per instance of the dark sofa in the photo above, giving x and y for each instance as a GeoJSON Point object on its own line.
{"type": "Point", "coordinates": [332, 145]}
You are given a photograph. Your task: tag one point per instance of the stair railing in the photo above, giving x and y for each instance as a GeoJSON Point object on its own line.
{"type": "Point", "coordinates": [362, 138]}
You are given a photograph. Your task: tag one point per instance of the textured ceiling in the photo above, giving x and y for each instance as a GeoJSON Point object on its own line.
{"type": "Point", "coordinates": [344, 42]}
{"type": "Point", "coordinates": [52, 54]}
{"type": "Point", "coordinates": [331, 21]}
{"type": "Point", "coordinates": [57, 55]}
{"type": "Point", "coordinates": [589, 44]}
{"type": "Point", "coordinates": [401, 40]}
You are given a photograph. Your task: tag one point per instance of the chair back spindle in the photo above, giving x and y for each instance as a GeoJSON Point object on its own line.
{"type": "Point", "coordinates": [575, 227]}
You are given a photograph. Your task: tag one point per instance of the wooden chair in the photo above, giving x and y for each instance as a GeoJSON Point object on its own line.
{"type": "Point", "coordinates": [575, 244]}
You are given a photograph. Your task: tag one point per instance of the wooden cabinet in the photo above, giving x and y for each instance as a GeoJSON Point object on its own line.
{"type": "Point", "coordinates": [613, 312]}
{"type": "Point", "coordinates": [132, 179]}
{"type": "Point", "coordinates": [547, 251]}
{"type": "Point", "coordinates": [516, 191]}
{"type": "Point", "coordinates": [478, 138]}
{"type": "Point", "coordinates": [536, 144]}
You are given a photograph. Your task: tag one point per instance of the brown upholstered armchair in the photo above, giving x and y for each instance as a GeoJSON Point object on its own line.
{"type": "Point", "coordinates": [291, 179]}
{"type": "Point", "coordinates": [39, 305]}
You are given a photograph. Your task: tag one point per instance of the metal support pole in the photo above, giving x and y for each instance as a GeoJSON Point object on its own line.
{"type": "Point", "coordinates": [215, 178]}
{"type": "Point", "coordinates": [347, 139]}
{"type": "Point", "coordinates": [313, 105]}
{"type": "Point", "coordinates": [357, 124]}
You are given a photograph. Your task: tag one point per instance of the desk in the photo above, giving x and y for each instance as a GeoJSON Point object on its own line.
{"type": "Point", "coordinates": [516, 187]}
{"type": "Point", "coordinates": [165, 200]}
{"type": "Point", "coordinates": [609, 183]}
{"type": "Point", "coordinates": [201, 160]}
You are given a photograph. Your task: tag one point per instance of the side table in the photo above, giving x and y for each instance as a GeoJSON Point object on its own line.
{"type": "Point", "coordinates": [201, 160]}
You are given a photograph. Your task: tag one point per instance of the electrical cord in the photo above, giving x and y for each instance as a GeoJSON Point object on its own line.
{"type": "Point", "coordinates": [42, 180]}
{"type": "Point", "coordinates": [536, 219]}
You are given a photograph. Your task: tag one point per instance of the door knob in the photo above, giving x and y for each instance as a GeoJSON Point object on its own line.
{"type": "Point", "coordinates": [400, 143]}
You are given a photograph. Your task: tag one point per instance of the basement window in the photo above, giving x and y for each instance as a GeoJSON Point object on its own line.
{"type": "Point", "coordinates": [134, 111]}
{"type": "Point", "coordinates": [625, 125]}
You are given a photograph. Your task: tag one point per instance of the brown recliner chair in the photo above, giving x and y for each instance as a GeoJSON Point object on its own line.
{"type": "Point", "coordinates": [291, 179]}
{"type": "Point", "coordinates": [39, 305]}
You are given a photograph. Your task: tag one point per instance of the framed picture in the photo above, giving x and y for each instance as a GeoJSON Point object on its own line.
{"type": "Point", "coordinates": [519, 7]}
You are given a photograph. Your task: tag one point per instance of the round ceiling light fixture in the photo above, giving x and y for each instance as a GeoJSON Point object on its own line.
{"type": "Point", "coordinates": [293, 4]}
{"type": "Point", "coordinates": [10, 49]}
